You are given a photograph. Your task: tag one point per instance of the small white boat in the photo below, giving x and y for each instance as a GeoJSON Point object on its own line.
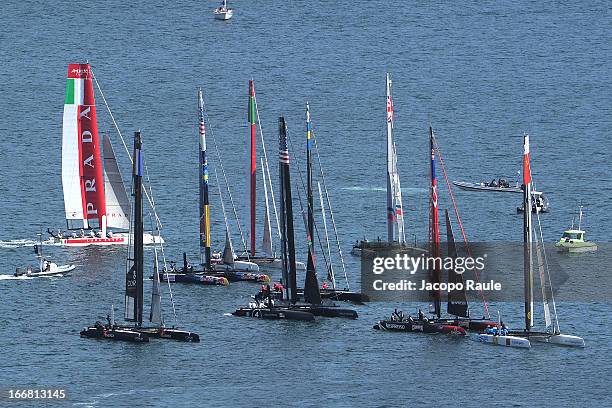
{"type": "Point", "coordinates": [222, 12]}
{"type": "Point", "coordinates": [49, 269]}
{"type": "Point", "coordinates": [45, 267]}
{"type": "Point", "coordinates": [506, 341]}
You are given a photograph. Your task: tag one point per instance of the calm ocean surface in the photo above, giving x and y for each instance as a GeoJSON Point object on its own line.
{"type": "Point", "coordinates": [480, 74]}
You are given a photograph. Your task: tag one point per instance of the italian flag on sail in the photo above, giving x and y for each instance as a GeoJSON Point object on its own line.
{"type": "Point", "coordinates": [82, 172]}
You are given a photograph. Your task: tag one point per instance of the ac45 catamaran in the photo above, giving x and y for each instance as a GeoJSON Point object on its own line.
{"type": "Point", "coordinates": [457, 305]}
{"type": "Point", "coordinates": [396, 237]}
{"type": "Point", "coordinates": [552, 334]}
{"type": "Point", "coordinates": [288, 306]}
{"type": "Point", "coordinates": [267, 257]}
{"type": "Point", "coordinates": [95, 199]}
{"type": "Point", "coordinates": [134, 282]}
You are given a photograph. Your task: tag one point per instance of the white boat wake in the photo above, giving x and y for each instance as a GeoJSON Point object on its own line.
{"type": "Point", "coordinates": [20, 243]}
{"type": "Point", "coordinates": [12, 277]}
{"type": "Point", "coordinates": [407, 190]}
{"type": "Point", "coordinates": [25, 277]}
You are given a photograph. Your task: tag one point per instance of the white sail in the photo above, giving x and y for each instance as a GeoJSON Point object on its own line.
{"type": "Point", "coordinates": [156, 314]}
{"type": "Point", "coordinates": [266, 244]}
{"type": "Point", "coordinates": [397, 201]}
{"type": "Point", "coordinates": [117, 201]}
{"type": "Point", "coordinates": [228, 251]}
{"type": "Point", "coordinates": [82, 179]}
{"type": "Point", "coordinates": [541, 270]}
{"type": "Point", "coordinates": [395, 211]}
{"type": "Point", "coordinates": [71, 180]}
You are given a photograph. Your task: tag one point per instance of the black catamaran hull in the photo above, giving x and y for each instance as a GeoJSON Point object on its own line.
{"type": "Point", "coordinates": [475, 325]}
{"type": "Point", "coordinates": [198, 278]}
{"type": "Point", "coordinates": [419, 327]}
{"type": "Point", "coordinates": [340, 295]}
{"type": "Point", "coordinates": [325, 311]}
{"type": "Point", "coordinates": [116, 334]}
{"type": "Point", "coordinates": [170, 334]}
{"type": "Point", "coordinates": [274, 314]}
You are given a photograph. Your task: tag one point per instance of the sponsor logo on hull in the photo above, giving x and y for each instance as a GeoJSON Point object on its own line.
{"type": "Point", "coordinates": [93, 241]}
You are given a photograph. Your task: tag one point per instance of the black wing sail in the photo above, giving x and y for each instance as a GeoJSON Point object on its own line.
{"type": "Point", "coordinates": [312, 293]}
{"type": "Point", "coordinates": [289, 267]}
{"type": "Point", "coordinates": [457, 300]}
{"type": "Point", "coordinates": [134, 275]}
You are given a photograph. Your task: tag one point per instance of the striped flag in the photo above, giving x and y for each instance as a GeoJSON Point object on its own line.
{"type": "Point", "coordinates": [389, 109]}
{"type": "Point", "coordinates": [202, 125]}
{"type": "Point", "coordinates": [283, 154]}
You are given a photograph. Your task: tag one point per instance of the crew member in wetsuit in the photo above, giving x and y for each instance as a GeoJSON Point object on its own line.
{"type": "Point", "coordinates": [269, 295]}
{"type": "Point", "coordinates": [421, 315]}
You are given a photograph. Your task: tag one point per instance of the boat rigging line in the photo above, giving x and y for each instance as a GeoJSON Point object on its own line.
{"type": "Point", "coordinates": [329, 207]}
{"type": "Point", "coordinates": [129, 155]}
{"type": "Point", "coordinates": [267, 168]}
{"type": "Point", "coordinates": [465, 240]}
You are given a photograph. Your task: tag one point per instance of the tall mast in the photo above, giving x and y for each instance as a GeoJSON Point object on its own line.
{"type": "Point", "coordinates": [435, 228]}
{"type": "Point", "coordinates": [253, 169]}
{"type": "Point", "coordinates": [390, 206]}
{"type": "Point", "coordinates": [134, 276]}
{"type": "Point", "coordinates": [204, 204]}
{"type": "Point", "coordinates": [311, 286]}
{"type": "Point", "coordinates": [287, 238]}
{"type": "Point", "coordinates": [527, 238]}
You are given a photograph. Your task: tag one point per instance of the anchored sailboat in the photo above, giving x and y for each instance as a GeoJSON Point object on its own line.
{"type": "Point", "coordinates": [222, 12]}
{"type": "Point", "coordinates": [95, 199]}
{"type": "Point", "coordinates": [134, 282]}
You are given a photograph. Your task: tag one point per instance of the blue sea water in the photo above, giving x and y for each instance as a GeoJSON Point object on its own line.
{"type": "Point", "coordinates": [481, 74]}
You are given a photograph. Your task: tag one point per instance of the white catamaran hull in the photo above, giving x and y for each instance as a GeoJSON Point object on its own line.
{"type": "Point", "coordinates": [506, 341]}
{"type": "Point", "coordinates": [559, 339]}
{"type": "Point", "coordinates": [116, 239]}
{"type": "Point", "coordinates": [278, 264]}
{"type": "Point", "coordinates": [237, 266]}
